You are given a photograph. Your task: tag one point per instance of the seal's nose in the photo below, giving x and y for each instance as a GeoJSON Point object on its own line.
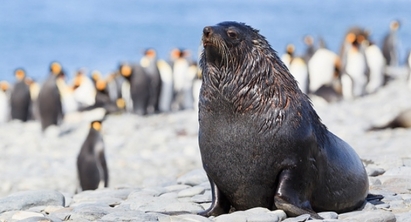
{"type": "Point", "coordinates": [207, 31]}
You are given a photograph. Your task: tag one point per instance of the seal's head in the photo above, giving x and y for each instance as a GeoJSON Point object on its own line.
{"type": "Point", "coordinates": [224, 42]}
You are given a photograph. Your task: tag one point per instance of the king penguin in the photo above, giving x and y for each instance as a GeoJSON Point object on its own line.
{"type": "Point", "coordinates": [91, 162]}
{"type": "Point", "coordinates": [149, 63]}
{"type": "Point", "coordinates": [20, 99]}
{"type": "Point", "coordinates": [49, 102]}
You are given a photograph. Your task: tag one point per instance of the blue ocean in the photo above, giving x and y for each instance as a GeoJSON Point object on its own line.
{"type": "Point", "coordinates": [99, 34]}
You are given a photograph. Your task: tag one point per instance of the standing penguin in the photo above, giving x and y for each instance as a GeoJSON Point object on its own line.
{"type": "Point", "coordinates": [377, 64]}
{"type": "Point", "coordinates": [20, 99]}
{"type": "Point", "coordinates": [91, 162]}
{"type": "Point", "coordinates": [137, 88]}
{"type": "Point", "coordinates": [149, 63]}
{"type": "Point", "coordinates": [166, 95]}
{"type": "Point", "coordinates": [390, 44]}
{"type": "Point", "coordinates": [354, 64]}
{"type": "Point", "coordinates": [297, 67]}
{"type": "Point", "coordinates": [182, 80]}
{"type": "Point", "coordinates": [49, 103]}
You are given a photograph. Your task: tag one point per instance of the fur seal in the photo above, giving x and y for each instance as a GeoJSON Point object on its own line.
{"type": "Point", "coordinates": [262, 144]}
{"type": "Point", "coordinates": [91, 161]}
{"type": "Point", "coordinates": [20, 99]}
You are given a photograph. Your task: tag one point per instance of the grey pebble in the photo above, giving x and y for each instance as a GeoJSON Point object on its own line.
{"type": "Point", "coordinates": [328, 215]}
{"type": "Point", "coordinates": [370, 216]}
{"type": "Point", "coordinates": [300, 218]}
{"type": "Point", "coordinates": [192, 191]}
{"type": "Point", "coordinates": [184, 218]}
{"type": "Point", "coordinates": [26, 199]}
{"type": "Point", "coordinates": [89, 211]}
{"type": "Point", "coordinates": [230, 218]}
{"type": "Point", "coordinates": [373, 171]}
{"type": "Point", "coordinates": [193, 178]}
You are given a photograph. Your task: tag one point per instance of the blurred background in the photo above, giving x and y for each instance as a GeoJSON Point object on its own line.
{"type": "Point", "coordinates": [97, 34]}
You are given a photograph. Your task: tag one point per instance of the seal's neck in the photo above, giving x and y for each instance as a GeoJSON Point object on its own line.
{"type": "Point", "coordinates": [254, 83]}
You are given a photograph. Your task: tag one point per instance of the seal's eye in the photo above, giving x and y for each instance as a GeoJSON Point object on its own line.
{"type": "Point", "coordinates": [232, 34]}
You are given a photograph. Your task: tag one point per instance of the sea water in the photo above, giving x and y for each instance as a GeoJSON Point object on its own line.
{"type": "Point", "coordinates": [100, 34]}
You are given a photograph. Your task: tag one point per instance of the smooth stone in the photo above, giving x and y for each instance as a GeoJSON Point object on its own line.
{"type": "Point", "coordinates": [176, 188]}
{"type": "Point", "coordinates": [97, 195]}
{"type": "Point", "coordinates": [404, 171]}
{"type": "Point", "coordinates": [374, 181]}
{"type": "Point", "coordinates": [258, 210]}
{"type": "Point", "coordinates": [89, 211]}
{"type": "Point", "coordinates": [328, 215]}
{"type": "Point", "coordinates": [300, 218]}
{"type": "Point", "coordinates": [373, 171]}
{"type": "Point", "coordinates": [280, 213]}
{"type": "Point", "coordinates": [183, 206]}
{"type": "Point", "coordinates": [137, 216]}
{"type": "Point", "coordinates": [191, 192]}
{"type": "Point", "coordinates": [262, 217]}
{"type": "Point", "coordinates": [397, 204]}
{"type": "Point", "coordinates": [193, 178]}
{"type": "Point", "coordinates": [184, 218]}
{"type": "Point", "coordinates": [366, 207]}
{"type": "Point", "coordinates": [26, 199]}
{"type": "Point", "coordinates": [62, 214]}
{"type": "Point", "coordinates": [203, 198]}
{"type": "Point", "coordinates": [230, 218]}
{"type": "Point", "coordinates": [37, 219]}
{"type": "Point", "coordinates": [25, 214]}
{"type": "Point", "coordinates": [382, 206]}
{"type": "Point", "coordinates": [403, 217]}
{"type": "Point", "coordinates": [370, 216]}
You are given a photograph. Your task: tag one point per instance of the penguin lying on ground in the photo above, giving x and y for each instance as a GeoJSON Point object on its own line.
{"type": "Point", "coordinates": [91, 162]}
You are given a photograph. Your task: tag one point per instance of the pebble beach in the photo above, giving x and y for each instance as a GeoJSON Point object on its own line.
{"type": "Point", "coordinates": [155, 166]}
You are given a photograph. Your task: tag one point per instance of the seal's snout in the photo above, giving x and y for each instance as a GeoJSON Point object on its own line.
{"type": "Point", "coordinates": [207, 31]}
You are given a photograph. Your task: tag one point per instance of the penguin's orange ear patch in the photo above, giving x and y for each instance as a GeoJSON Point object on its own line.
{"type": "Point", "coordinates": [100, 85]}
{"type": "Point", "coordinates": [121, 103]}
{"type": "Point", "coordinates": [96, 126]}
{"type": "Point", "coordinates": [20, 74]}
{"type": "Point", "coordinates": [350, 38]}
{"type": "Point", "coordinates": [125, 70]}
{"type": "Point", "coordinates": [55, 68]}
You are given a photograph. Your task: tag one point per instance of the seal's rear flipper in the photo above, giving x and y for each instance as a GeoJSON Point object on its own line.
{"type": "Point", "coordinates": [374, 197]}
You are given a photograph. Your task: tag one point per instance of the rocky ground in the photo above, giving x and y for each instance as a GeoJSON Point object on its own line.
{"type": "Point", "coordinates": [155, 166]}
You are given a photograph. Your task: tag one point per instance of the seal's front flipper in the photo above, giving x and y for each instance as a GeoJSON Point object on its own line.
{"type": "Point", "coordinates": [291, 196]}
{"type": "Point", "coordinates": [292, 210]}
{"type": "Point", "coordinates": [219, 204]}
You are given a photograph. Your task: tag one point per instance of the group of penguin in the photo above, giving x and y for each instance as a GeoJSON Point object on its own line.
{"type": "Point", "coordinates": [359, 69]}
{"type": "Point", "coordinates": [155, 86]}
{"type": "Point", "coordinates": [148, 87]}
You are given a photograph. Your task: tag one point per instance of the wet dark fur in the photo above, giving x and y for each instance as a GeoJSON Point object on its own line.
{"type": "Point", "coordinates": [262, 144]}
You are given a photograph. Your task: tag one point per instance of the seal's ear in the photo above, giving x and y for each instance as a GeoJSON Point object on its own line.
{"type": "Point", "coordinates": [255, 42]}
